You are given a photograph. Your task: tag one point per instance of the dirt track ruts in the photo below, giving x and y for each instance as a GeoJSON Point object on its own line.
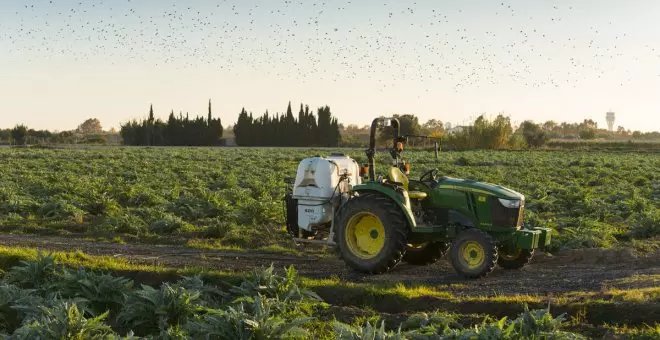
{"type": "Point", "coordinates": [577, 270]}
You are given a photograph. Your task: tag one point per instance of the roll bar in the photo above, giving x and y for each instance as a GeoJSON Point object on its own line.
{"type": "Point", "coordinates": [395, 152]}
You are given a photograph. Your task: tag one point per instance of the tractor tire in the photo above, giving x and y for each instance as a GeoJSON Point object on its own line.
{"type": "Point", "coordinates": [473, 254]}
{"type": "Point", "coordinates": [516, 260]}
{"type": "Point", "coordinates": [425, 254]}
{"type": "Point", "coordinates": [371, 233]}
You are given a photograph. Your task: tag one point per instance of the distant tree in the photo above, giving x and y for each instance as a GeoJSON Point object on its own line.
{"type": "Point", "coordinates": [19, 133]}
{"type": "Point", "coordinates": [180, 131]}
{"type": "Point", "coordinates": [587, 133]}
{"type": "Point", "coordinates": [636, 134]}
{"type": "Point", "coordinates": [210, 115]}
{"type": "Point", "coordinates": [242, 128]}
{"type": "Point", "coordinates": [621, 130]}
{"type": "Point", "coordinates": [589, 124]}
{"type": "Point", "coordinates": [533, 134]}
{"type": "Point", "coordinates": [286, 130]}
{"type": "Point", "coordinates": [90, 126]}
{"type": "Point", "coordinates": [5, 135]}
{"type": "Point", "coordinates": [550, 125]}
{"type": "Point", "coordinates": [151, 113]}
{"type": "Point", "coordinates": [433, 125]}
{"type": "Point", "coordinates": [483, 134]}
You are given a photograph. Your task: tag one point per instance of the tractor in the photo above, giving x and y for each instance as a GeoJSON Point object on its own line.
{"type": "Point", "coordinates": [376, 222]}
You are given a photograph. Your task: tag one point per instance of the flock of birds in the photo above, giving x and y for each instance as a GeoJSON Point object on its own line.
{"type": "Point", "coordinates": [324, 39]}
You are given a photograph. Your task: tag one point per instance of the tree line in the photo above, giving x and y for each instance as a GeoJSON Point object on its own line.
{"type": "Point", "coordinates": [176, 131]}
{"type": "Point", "coordinates": [322, 129]}
{"type": "Point", "coordinates": [286, 130]}
{"type": "Point", "coordinates": [485, 133]}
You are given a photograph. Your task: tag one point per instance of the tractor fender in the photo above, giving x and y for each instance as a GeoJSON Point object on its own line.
{"type": "Point", "coordinates": [401, 201]}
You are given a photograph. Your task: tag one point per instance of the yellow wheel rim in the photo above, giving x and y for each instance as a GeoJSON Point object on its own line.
{"type": "Point", "coordinates": [365, 235]}
{"type": "Point", "coordinates": [472, 254]}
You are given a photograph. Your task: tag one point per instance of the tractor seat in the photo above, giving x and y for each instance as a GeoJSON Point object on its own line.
{"type": "Point", "coordinates": [395, 175]}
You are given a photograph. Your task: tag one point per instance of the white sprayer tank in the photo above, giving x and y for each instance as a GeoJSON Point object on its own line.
{"type": "Point", "coordinates": [317, 187]}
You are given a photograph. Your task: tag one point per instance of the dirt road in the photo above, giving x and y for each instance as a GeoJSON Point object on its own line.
{"type": "Point", "coordinates": [583, 270]}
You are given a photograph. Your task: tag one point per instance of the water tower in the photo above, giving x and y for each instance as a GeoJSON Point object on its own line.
{"type": "Point", "coordinates": [610, 121]}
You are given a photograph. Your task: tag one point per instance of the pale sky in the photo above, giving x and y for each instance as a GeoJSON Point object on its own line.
{"type": "Point", "coordinates": [62, 61]}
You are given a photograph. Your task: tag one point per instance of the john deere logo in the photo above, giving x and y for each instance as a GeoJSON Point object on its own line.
{"type": "Point", "coordinates": [482, 198]}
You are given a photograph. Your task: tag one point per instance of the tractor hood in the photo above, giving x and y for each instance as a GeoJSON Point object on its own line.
{"type": "Point", "coordinates": [480, 187]}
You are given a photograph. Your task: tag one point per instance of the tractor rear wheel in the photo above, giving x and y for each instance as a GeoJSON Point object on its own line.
{"type": "Point", "coordinates": [425, 253]}
{"type": "Point", "coordinates": [516, 259]}
{"type": "Point", "coordinates": [473, 254]}
{"type": "Point", "coordinates": [371, 233]}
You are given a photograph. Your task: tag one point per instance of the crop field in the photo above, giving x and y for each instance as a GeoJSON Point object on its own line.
{"type": "Point", "coordinates": [199, 227]}
{"type": "Point", "coordinates": [234, 196]}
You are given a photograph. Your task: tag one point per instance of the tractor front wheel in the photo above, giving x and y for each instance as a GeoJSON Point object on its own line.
{"type": "Point", "coordinates": [371, 233]}
{"type": "Point", "coordinates": [473, 254]}
{"type": "Point", "coordinates": [425, 253]}
{"type": "Point", "coordinates": [514, 259]}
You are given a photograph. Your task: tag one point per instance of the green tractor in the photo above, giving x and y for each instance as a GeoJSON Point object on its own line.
{"type": "Point", "coordinates": [376, 222]}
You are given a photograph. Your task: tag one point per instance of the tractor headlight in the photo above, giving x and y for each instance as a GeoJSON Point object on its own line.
{"type": "Point", "coordinates": [511, 204]}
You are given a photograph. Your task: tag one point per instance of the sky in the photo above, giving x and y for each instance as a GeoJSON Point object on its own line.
{"type": "Point", "coordinates": [64, 61]}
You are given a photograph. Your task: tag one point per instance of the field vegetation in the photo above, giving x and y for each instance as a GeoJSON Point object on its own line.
{"type": "Point", "coordinates": [75, 296]}
{"type": "Point", "coordinates": [230, 200]}
{"type": "Point", "coordinates": [232, 197]}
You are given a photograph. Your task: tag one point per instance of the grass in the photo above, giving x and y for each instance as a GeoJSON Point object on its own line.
{"type": "Point", "coordinates": [144, 273]}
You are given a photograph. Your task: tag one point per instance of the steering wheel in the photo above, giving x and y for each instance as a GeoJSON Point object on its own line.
{"type": "Point", "coordinates": [432, 174]}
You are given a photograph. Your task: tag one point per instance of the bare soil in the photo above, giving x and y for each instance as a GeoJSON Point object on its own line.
{"type": "Point", "coordinates": [576, 270]}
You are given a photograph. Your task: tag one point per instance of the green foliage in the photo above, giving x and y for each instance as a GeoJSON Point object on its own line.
{"type": "Point", "coordinates": [64, 321]}
{"type": "Point", "coordinates": [81, 304]}
{"type": "Point", "coordinates": [483, 134]}
{"type": "Point", "coordinates": [38, 275]}
{"type": "Point", "coordinates": [285, 130]}
{"type": "Point", "coordinates": [536, 324]}
{"type": "Point", "coordinates": [210, 295]}
{"type": "Point", "coordinates": [150, 310]}
{"type": "Point", "coordinates": [12, 296]}
{"type": "Point", "coordinates": [125, 223]}
{"type": "Point", "coordinates": [430, 323]}
{"type": "Point", "coordinates": [366, 332]}
{"type": "Point", "coordinates": [103, 292]}
{"type": "Point", "coordinates": [590, 199]}
{"type": "Point", "coordinates": [267, 283]}
{"type": "Point", "coordinates": [255, 318]}
{"type": "Point", "coordinates": [18, 134]}
{"type": "Point", "coordinates": [178, 131]}
{"type": "Point", "coordinates": [587, 133]}
{"type": "Point", "coordinates": [533, 134]}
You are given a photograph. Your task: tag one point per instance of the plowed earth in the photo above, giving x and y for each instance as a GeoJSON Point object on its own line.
{"type": "Point", "coordinates": [580, 270]}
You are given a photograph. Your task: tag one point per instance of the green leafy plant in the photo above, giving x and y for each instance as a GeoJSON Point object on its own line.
{"type": "Point", "coordinates": [64, 321]}
{"type": "Point", "coordinates": [12, 296]}
{"type": "Point", "coordinates": [267, 283]}
{"type": "Point", "coordinates": [254, 319]}
{"type": "Point", "coordinates": [104, 292]}
{"type": "Point", "coordinates": [38, 274]}
{"type": "Point", "coordinates": [366, 332]}
{"type": "Point", "coordinates": [150, 310]}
